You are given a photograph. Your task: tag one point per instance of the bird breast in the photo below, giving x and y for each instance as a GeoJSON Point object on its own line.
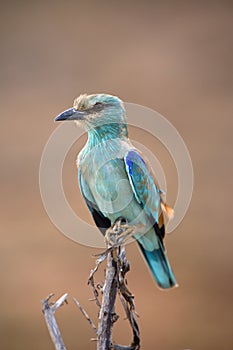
{"type": "Point", "coordinates": [104, 171]}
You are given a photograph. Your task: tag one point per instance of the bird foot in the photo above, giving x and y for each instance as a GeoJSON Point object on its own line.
{"type": "Point", "coordinates": [115, 236]}
{"type": "Point", "coordinates": [118, 233]}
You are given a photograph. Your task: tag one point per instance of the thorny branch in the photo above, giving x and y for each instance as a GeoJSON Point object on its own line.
{"type": "Point", "coordinates": [115, 284]}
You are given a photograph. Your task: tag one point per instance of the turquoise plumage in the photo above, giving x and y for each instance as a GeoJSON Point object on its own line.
{"type": "Point", "coordinates": [116, 182]}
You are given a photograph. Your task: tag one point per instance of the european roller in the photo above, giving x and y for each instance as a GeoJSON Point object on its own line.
{"type": "Point", "coordinates": [116, 181]}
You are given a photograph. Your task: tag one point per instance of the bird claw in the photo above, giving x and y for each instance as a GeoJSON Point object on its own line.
{"type": "Point", "coordinates": [117, 234]}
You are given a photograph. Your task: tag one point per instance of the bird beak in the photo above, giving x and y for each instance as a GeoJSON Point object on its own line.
{"type": "Point", "coordinates": [70, 114]}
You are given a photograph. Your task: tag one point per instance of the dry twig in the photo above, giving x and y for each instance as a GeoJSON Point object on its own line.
{"type": "Point", "coordinates": [115, 283]}
{"type": "Point", "coordinates": [86, 315]}
{"type": "Point", "coordinates": [49, 310]}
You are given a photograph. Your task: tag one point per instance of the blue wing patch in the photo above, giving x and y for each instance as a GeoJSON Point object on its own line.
{"type": "Point", "coordinates": [142, 183]}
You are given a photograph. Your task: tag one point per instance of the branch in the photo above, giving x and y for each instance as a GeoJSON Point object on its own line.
{"type": "Point", "coordinates": [127, 299]}
{"type": "Point", "coordinates": [86, 315]}
{"type": "Point", "coordinates": [49, 310]}
{"type": "Point", "coordinates": [115, 283]}
{"type": "Point", "coordinates": [107, 315]}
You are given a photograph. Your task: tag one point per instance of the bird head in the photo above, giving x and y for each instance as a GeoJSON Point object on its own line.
{"type": "Point", "coordinates": [96, 111]}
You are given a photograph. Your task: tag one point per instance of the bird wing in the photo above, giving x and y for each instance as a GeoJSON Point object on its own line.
{"type": "Point", "coordinates": [101, 221]}
{"type": "Point", "coordinates": [148, 195]}
{"type": "Point", "coordinates": [144, 188]}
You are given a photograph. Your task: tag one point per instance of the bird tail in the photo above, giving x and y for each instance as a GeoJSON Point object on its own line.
{"type": "Point", "coordinates": [159, 266]}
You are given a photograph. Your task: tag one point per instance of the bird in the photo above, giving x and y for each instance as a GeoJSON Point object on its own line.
{"type": "Point", "coordinates": [116, 181]}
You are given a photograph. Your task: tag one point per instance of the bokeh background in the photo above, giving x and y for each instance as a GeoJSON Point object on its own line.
{"type": "Point", "coordinates": [172, 56]}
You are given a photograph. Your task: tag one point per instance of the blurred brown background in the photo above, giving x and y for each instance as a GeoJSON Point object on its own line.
{"type": "Point", "coordinates": [174, 57]}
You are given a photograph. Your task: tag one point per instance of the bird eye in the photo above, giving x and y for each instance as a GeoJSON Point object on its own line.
{"type": "Point", "coordinates": [98, 106]}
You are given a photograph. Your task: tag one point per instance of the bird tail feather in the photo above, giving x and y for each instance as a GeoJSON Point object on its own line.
{"type": "Point", "coordinates": [159, 266]}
